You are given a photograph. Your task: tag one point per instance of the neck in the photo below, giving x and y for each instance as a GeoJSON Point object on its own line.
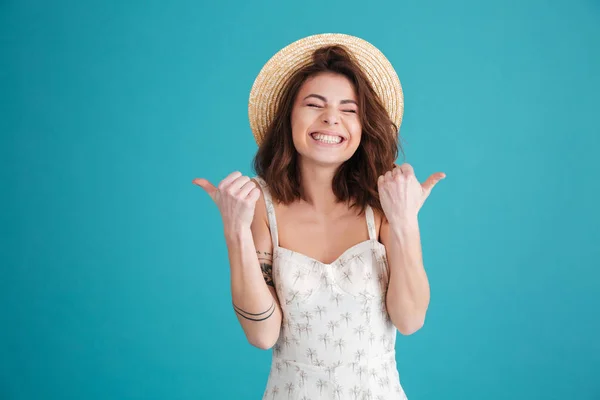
{"type": "Point", "coordinates": [316, 181]}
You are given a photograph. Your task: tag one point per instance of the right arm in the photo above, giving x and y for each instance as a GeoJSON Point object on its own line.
{"type": "Point", "coordinates": [253, 294]}
{"type": "Point", "coordinates": [249, 248]}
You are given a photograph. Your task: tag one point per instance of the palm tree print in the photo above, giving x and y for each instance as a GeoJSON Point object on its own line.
{"type": "Point", "coordinates": [289, 321]}
{"type": "Point", "coordinates": [289, 387]}
{"type": "Point", "coordinates": [355, 392]}
{"type": "Point", "coordinates": [373, 373]}
{"type": "Point", "coordinates": [357, 257]}
{"type": "Point", "coordinates": [303, 376]}
{"type": "Point", "coordinates": [346, 317]}
{"type": "Point", "coordinates": [374, 253]}
{"type": "Point", "coordinates": [320, 385]}
{"type": "Point", "coordinates": [340, 343]}
{"type": "Point", "coordinates": [324, 279]}
{"type": "Point", "coordinates": [347, 274]}
{"type": "Point", "coordinates": [362, 370]}
{"type": "Point", "coordinates": [359, 330]}
{"type": "Point", "coordinates": [384, 381]}
{"type": "Point", "coordinates": [383, 339]}
{"type": "Point", "coordinates": [307, 294]}
{"type": "Point", "coordinates": [308, 329]}
{"type": "Point", "coordinates": [310, 353]}
{"type": "Point", "coordinates": [293, 295]}
{"type": "Point", "coordinates": [336, 297]}
{"type": "Point", "coordinates": [325, 339]}
{"type": "Point", "coordinates": [332, 325]}
{"type": "Point", "coordinates": [299, 329]}
{"type": "Point", "coordinates": [333, 315]}
{"type": "Point", "coordinates": [359, 354]}
{"type": "Point", "coordinates": [315, 265]}
{"type": "Point", "coordinates": [386, 369]}
{"type": "Point", "coordinates": [320, 310]}
{"type": "Point", "coordinates": [306, 315]}
{"type": "Point", "coordinates": [366, 297]}
{"type": "Point", "coordinates": [297, 275]}
{"type": "Point", "coordinates": [337, 391]}
{"type": "Point", "coordinates": [367, 314]}
{"type": "Point", "coordinates": [329, 370]}
{"type": "Point", "coordinates": [319, 363]}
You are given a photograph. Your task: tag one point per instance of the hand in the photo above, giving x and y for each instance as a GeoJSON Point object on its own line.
{"type": "Point", "coordinates": [400, 193]}
{"type": "Point", "coordinates": [235, 197]}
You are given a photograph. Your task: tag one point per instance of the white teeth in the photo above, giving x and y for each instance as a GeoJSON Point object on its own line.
{"type": "Point", "coordinates": [327, 138]}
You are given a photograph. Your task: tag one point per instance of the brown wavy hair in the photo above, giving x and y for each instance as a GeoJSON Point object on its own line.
{"type": "Point", "coordinates": [355, 182]}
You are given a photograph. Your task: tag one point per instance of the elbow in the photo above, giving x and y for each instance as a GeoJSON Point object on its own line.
{"type": "Point", "coordinates": [409, 326]}
{"type": "Point", "coordinates": [262, 342]}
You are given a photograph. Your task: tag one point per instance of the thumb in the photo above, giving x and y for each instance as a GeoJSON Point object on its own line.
{"type": "Point", "coordinates": [207, 186]}
{"type": "Point", "coordinates": [432, 181]}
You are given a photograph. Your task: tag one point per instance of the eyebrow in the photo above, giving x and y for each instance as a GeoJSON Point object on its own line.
{"type": "Point", "coordinates": [318, 96]}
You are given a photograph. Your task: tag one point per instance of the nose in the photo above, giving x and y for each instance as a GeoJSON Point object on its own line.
{"type": "Point", "coordinates": [330, 117]}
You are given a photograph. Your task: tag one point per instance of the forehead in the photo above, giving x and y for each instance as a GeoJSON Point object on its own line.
{"type": "Point", "coordinates": [330, 85]}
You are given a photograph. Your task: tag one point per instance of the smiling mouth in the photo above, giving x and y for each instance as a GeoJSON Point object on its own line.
{"type": "Point", "coordinates": [327, 139]}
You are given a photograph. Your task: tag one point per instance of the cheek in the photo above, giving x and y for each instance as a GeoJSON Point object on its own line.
{"type": "Point", "coordinates": [300, 126]}
{"type": "Point", "coordinates": [300, 122]}
{"type": "Point", "coordinates": [355, 129]}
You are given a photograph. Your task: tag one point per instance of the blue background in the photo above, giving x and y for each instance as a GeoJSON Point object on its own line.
{"type": "Point", "coordinates": [114, 281]}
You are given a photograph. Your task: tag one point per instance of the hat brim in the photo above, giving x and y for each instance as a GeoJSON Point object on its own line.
{"type": "Point", "coordinates": [268, 85]}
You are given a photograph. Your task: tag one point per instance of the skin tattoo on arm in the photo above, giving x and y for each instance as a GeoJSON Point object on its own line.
{"type": "Point", "coordinates": [255, 317]}
{"type": "Point", "coordinates": [266, 265]}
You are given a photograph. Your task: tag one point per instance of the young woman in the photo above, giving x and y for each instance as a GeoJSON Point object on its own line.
{"type": "Point", "coordinates": [324, 243]}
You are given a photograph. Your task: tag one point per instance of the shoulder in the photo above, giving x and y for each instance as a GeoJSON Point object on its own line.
{"type": "Point", "coordinates": [260, 209]}
{"type": "Point", "coordinates": [380, 222]}
{"type": "Point", "coordinates": [261, 230]}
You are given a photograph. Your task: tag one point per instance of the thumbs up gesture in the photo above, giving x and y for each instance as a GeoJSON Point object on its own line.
{"type": "Point", "coordinates": [402, 195]}
{"type": "Point", "coordinates": [236, 197]}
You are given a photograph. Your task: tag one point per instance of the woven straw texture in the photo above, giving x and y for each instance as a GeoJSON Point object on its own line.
{"type": "Point", "coordinates": [268, 86]}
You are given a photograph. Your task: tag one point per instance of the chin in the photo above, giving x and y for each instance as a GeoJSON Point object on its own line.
{"type": "Point", "coordinates": [322, 160]}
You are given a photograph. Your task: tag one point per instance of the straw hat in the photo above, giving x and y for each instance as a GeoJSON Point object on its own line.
{"type": "Point", "coordinates": [267, 88]}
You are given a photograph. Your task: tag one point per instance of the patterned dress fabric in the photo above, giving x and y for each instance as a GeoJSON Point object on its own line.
{"type": "Point", "coordinates": [336, 340]}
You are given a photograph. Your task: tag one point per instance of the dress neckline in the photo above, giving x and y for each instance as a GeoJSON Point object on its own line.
{"type": "Point", "coordinates": [348, 251]}
{"type": "Point", "coordinates": [369, 219]}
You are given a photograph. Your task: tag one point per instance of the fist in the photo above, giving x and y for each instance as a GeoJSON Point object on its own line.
{"type": "Point", "coordinates": [402, 195]}
{"type": "Point", "coordinates": [235, 196]}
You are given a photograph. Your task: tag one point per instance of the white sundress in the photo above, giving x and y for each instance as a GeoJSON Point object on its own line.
{"type": "Point", "coordinates": [336, 340]}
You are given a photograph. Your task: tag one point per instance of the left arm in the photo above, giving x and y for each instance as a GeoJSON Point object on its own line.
{"type": "Point", "coordinates": [408, 289]}
{"type": "Point", "coordinates": [402, 196]}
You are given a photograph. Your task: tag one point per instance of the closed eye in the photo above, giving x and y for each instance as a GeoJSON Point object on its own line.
{"type": "Point", "coordinates": [313, 105]}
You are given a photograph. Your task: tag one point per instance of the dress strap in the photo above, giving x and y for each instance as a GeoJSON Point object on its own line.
{"type": "Point", "coordinates": [371, 223]}
{"type": "Point", "coordinates": [270, 210]}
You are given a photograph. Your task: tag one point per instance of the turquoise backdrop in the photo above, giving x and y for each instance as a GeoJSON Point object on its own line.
{"type": "Point", "coordinates": [114, 281]}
